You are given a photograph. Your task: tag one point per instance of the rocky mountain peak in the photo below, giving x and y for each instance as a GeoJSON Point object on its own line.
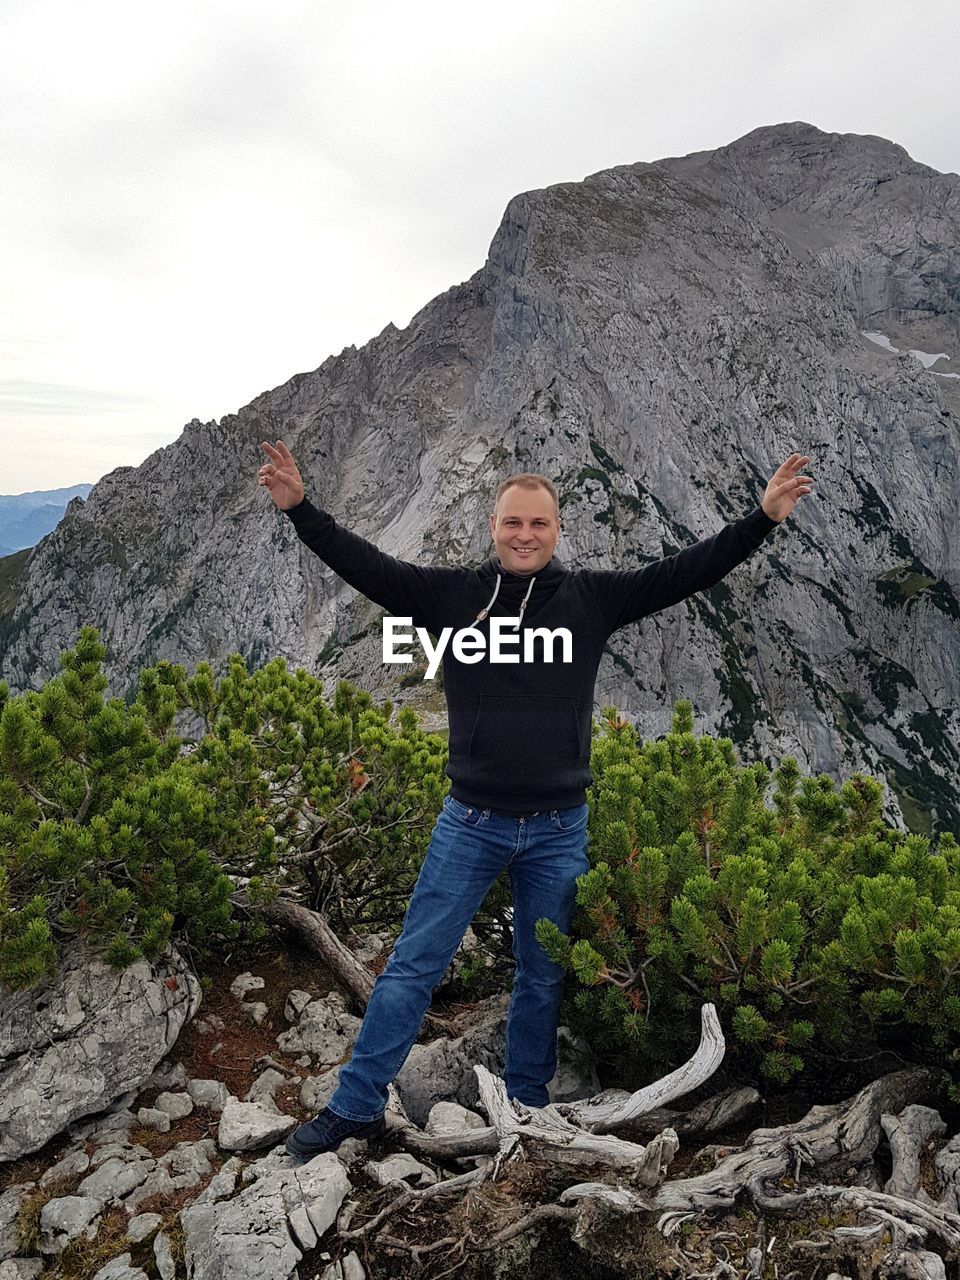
{"type": "Point", "coordinates": [657, 338]}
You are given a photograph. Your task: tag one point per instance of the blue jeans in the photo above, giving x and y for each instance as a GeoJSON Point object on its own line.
{"type": "Point", "coordinates": [468, 850]}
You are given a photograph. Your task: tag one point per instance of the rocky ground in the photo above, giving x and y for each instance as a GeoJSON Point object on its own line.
{"type": "Point", "coordinates": [186, 1175]}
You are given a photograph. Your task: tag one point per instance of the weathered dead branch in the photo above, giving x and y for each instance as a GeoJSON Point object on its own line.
{"type": "Point", "coordinates": [902, 1230]}
{"type": "Point", "coordinates": [547, 1132]}
{"type": "Point", "coordinates": [314, 930]}
{"type": "Point", "coordinates": [316, 933]}
{"type": "Point", "coordinates": [602, 1117]}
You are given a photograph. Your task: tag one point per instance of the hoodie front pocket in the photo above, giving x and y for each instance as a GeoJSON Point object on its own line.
{"type": "Point", "coordinates": [543, 724]}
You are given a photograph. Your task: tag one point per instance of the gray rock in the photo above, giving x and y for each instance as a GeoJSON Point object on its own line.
{"type": "Point", "coordinates": [442, 1071]}
{"type": "Point", "coordinates": [140, 1226]}
{"type": "Point", "coordinates": [176, 1105]}
{"type": "Point", "coordinates": [188, 1162]}
{"type": "Point", "coordinates": [183, 1166]}
{"type": "Point", "coordinates": [257, 1010]}
{"type": "Point", "coordinates": [325, 1030]}
{"type": "Point", "coordinates": [401, 1167]}
{"type": "Point", "coordinates": [125, 1151]}
{"type": "Point", "coordinates": [212, 1094]}
{"type": "Point", "coordinates": [370, 945]}
{"type": "Point", "coordinates": [65, 1218]}
{"type": "Point", "coordinates": [105, 1129]}
{"type": "Point", "coordinates": [158, 1182]}
{"type": "Point", "coordinates": [349, 1267]}
{"type": "Point", "coordinates": [163, 1253]}
{"type": "Point", "coordinates": [71, 1048]}
{"type": "Point", "coordinates": [123, 1103]}
{"type": "Point", "coordinates": [168, 1075]}
{"type": "Point", "coordinates": [448, 1118]}
{"type": "Point", "coordinates": [351, 1150]}
{"type": "Point", "coordinates": [21, 1268]}
{"type": "Point", "coordinates": [265, 1230]}
{"type": "Point", "coordinates": [265, 1086]}
{"type": "Point", "coordinates": [576, 1076]}
{"type": "Point", "coordinates": [244, 983]}
{"type": "Point", "coordinates": [11, 1201]}
{"type": "Point", "coordinates": [115, 1179]}
{"type": "Point", "coordinates": [67, 1166]}
{"type": "Point", "coordinates": [247, 1126]}
{"type": "Point", "coordinates": [316, 1091]}
{"type": "Point", "coordinates": [154, 1118]}
{"type": "Point", "coordinates": [295, 1004]}
{"type": "Point", "coordinates": [223, 1183]}
{"type": "Point", "coordinates": [120, 1269]}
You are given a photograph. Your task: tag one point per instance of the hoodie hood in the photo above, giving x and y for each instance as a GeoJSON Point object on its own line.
{"type": "Point", "coordinates": [515, 591]}
{"type": "Point", "coordinates": [550, 574]}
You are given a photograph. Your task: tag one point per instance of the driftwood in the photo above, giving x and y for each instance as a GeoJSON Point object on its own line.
{"type": "Point", "coordinates": [548, 1132]}
{"type": "Point", "coordinates": [908, 1134]}
{"type": "Point", "coordinates": [723, 1110]}
{"type": "Point", "coordinates": [604, 1116]}
{"type": "Point", "coordinates": [899, 1232]}
{"type": "Point", "coordinates": [314, 931]}
{"type": "Point", "coordinates": [835, 1139]}
{"type": "Point", "coordinates": [557, 1130]}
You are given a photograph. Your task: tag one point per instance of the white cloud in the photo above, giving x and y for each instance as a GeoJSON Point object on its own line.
{"type": "Point", "coordinates": [200, 199]}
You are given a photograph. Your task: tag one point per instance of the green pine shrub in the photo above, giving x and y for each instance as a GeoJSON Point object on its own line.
{"type": "Point", "coordinates": [118, 830]}
{"type": "Point", "coordinates": [809, 924]}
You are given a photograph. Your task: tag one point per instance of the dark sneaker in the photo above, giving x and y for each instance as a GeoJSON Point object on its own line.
{"type": "Point", "coordinates": [326, 1131]}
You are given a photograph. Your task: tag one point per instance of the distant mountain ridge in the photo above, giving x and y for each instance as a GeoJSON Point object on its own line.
{"type": "Point", "coordinates": [657, 338]}
{"type": "Point", "coordinates": [25, 518]}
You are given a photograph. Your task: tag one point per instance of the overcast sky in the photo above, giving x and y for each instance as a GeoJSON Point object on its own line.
{"type": "Point", "coordinates": [199, 199]}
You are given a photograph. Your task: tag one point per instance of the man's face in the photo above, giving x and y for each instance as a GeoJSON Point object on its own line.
{"type": "Point", "coordinates": [525, 529]}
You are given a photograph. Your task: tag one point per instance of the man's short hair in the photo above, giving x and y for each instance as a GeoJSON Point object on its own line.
{"type": "Point", "coordinates": [530, 480]}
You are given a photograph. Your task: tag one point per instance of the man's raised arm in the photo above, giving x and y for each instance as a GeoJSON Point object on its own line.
{"type": "Point", "coordinates": [628, 595]}
{"type": "Point", "coordinates": [397, 585]}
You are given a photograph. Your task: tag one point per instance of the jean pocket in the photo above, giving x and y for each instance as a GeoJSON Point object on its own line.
{"type": "Point", "coordinates": [570, 819]}
{"type": "Point", "coordinates": [468, 815]}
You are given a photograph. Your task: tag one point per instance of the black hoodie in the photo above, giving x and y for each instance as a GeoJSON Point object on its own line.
{"type": "Point", "coordinates": [520, 732]}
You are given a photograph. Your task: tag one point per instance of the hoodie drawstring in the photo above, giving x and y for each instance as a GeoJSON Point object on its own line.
{"type": "Point", "coordinates": [484, 612]}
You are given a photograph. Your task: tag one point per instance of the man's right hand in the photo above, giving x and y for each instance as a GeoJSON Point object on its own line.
{"type": "Point", "coordinates": [281, 476]}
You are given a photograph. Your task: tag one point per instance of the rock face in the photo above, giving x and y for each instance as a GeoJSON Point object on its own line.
{"type": "Point", "coordinates": [657, 338]}
{"type": "Point", "coordinates": [71, 1049]}
{"type": "Point", "coordinates": [267, 1228]}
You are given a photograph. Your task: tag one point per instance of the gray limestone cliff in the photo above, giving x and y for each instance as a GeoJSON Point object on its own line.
{"type": "Point", "coordinates": [657, 338]}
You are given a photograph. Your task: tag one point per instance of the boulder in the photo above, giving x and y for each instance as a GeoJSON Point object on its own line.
{"type": "Point", "coordinates": [69, 1049]}
{"type": "Point", "coordinates": [120, 1269]}
{"type": "Point", "coordinates": [325, 1030]}
{"type": "Point", "coordinates": [212, 1094]}
{"type": "Point", "coordinates": [266, 1229]}
{"type": "Point", "coordinates": [65, 1218]}
{"type": "Point", "coordinates": [246, 1126]}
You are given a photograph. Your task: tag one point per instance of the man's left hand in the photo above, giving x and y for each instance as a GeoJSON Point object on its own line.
{"type": "Point", "coordinates": [785, 487]}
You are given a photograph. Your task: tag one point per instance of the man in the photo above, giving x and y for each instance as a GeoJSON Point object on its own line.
{"type": "Point", "coordinates": [519, 753]}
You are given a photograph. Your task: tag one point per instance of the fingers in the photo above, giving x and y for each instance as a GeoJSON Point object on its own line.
{"type": "Point", "coordinates": [281, 454]}
{"type": "Point", "coordinates": [794, 462]}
